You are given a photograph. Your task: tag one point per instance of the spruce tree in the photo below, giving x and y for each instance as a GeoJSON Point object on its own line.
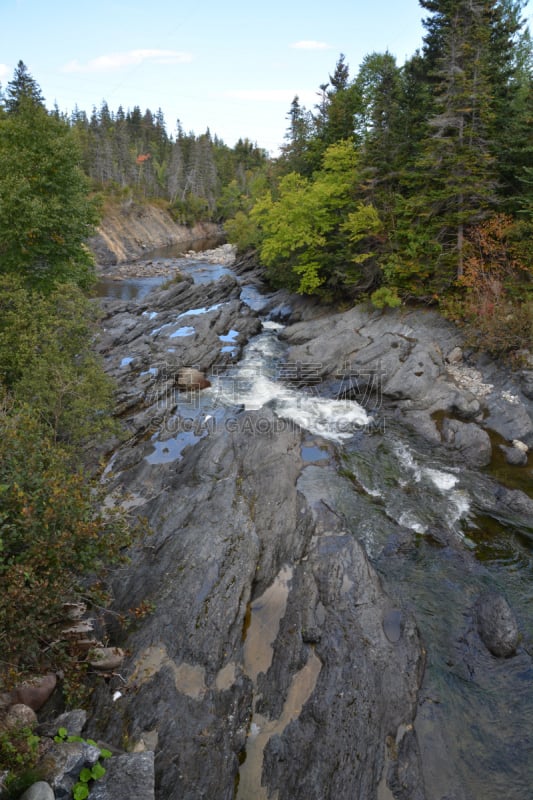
{"type": "Point", "coordinates": [45, 211]}
{"type": "Point", "coordinates": [511, 75]}
{"type": "Point", "coordinates": [294, 153]}
{"type": "Point", "coordinates": [456, 163]}
{"type": "Point", "coordinates": [380, 129]}
{"type": "Point", "coordinates": [22, 87]}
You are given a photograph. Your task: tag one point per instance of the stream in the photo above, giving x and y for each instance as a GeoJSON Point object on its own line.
{"type": "Point", "coordinates": [421, 523]}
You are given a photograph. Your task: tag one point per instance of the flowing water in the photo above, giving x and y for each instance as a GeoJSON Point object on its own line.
{"type": "Point", "coordinates": [423, 525]}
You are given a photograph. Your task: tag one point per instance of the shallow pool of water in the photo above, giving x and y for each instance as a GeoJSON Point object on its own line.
{"type": "Point", "coordinates": [127, 288]}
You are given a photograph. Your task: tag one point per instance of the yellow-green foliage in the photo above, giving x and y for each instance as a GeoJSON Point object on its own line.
{"type": "Point", "coordinates": [315, 227]}
{"type": "Point", "coordinates": [242, 231]}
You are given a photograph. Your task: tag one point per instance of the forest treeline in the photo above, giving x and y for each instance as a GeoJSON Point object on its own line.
{"type": "Point", "coordinates": [409, 182]}
{"type": "Point", "coordinates": [414, 182]}
{"type": "Point", "coordinates": [131, 153]}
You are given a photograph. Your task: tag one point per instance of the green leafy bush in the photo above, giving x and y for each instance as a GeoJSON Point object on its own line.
{"type": "Point", "coordinates": [316, 230]}
{"type": "Point", "coordinates": [53, 535]}
{"type": "Point", "coordinates": [19, 753]}
{"type": "Point", "coordinates": [46, 359]}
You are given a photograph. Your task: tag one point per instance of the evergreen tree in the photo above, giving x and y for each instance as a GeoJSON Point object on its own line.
{"type": "Point", "coordinates": [334, 118]}
{"type": "Point", "coordinates": [342, 106]}
{"type": "Point", "coordinates": [295, 151]}
{"type": "Point", "coordinates": [511, 76]}
{"type": "Point", "coordinates": [45, 212]}
{"type": "Point", "coordinates": [456, 164]}
{"type": "Point", "coordinates": [22, 87]}
{"type": "Point", "coordinates": [380, 129]}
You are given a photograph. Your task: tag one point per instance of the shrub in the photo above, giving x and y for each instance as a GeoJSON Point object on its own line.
{"type": "Point", "coordinates": [46, 359]}
{"type": "Point", "coordinates": [53, 535]}
{"type": "Point", "coordinates": [495, 306]}
{"type": "Point", "coordinates": [385, 296]}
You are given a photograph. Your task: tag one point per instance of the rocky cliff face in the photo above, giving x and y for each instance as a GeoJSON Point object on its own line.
{"type": "Point", "coordinates": [128, 231]}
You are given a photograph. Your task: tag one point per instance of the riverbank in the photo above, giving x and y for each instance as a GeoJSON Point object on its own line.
{"type": "Point", "coordinates": [129, 231]}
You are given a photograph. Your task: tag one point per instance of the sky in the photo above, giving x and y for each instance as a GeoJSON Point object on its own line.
{"type": "Point", "coordinates": [233, 67]}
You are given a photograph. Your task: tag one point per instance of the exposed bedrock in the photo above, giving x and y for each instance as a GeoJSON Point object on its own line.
{"type": "Point", "coordinates": [273, 656]}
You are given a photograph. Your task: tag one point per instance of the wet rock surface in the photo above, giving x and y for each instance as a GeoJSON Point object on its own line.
{"type": "Point", "coordinates": [413, 360]}
{"type": "Point", "coordinates": [228, 521]}
{"type": "Point", "coordinates": [275, 662]}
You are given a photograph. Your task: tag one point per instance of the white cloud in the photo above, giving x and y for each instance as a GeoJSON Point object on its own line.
{"type": "Point", "coordinates": [114, 61]}
{"type": "Point", "coordinates": [310, 44]}
{"type": "Point", "coordinates": [5, 72]}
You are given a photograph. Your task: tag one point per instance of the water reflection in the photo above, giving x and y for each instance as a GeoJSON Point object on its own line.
{"type": "Point", "coordinates": [137, 288]}
{"type": "Point", "coordinates": [178, 250]}
{"type": "Point", "coordinates": [128, 288]}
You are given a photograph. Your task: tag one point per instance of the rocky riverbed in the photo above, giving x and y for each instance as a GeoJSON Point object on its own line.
{"type": "Point", "coordinates": [323, 623]}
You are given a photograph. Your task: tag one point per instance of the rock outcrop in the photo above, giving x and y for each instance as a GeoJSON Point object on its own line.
{"type": "Point", "coordinates": [269, 642]}
{"type": "Point", "coordinates": [128, 232]}
{"type": "Point", "coordinates": [410, 360]}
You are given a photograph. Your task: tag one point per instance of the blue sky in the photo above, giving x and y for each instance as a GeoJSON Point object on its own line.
{"type": "Point", "coordinates": [231, 66]}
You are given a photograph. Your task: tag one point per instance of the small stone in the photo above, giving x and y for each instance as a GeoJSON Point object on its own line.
{"type": "Point", "coordinates": [35, 693]}
{"type": "Point", "coordinates": [39, 791]}
{"type": "Point", "coordinates": [497, 625]}
{"type": "Point", "coordinates": [455, 356]}
{"type": "Point", "coordinates": [514, 456]}
{"type": "Point", "coordinates": [20, 716]}
{"type": "Point", "coordinates": [191, 378]}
